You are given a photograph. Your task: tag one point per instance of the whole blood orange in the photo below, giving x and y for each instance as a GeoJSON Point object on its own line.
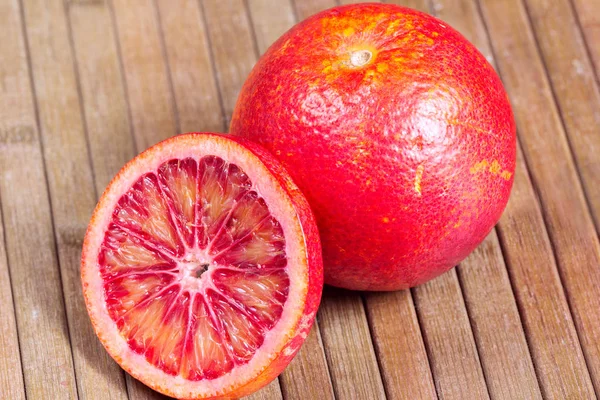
{"type": "Point", "coordinates": [397, 130]}
{"type": "Point", "coordinates": [202, 268]}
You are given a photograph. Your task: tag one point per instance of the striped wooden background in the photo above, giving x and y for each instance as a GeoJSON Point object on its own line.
{"type": "Point", "coordinates": [87, 84]}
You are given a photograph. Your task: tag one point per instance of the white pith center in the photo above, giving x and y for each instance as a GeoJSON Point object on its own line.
{"type": "Point", "coordinates": [194, 270]}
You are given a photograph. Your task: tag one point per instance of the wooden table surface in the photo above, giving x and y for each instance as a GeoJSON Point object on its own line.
{"type": "Point", "coordinates": [87, 84]}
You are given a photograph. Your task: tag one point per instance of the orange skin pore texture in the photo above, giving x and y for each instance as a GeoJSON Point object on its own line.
{"type": "Point", "coordinates": [305, 242]}
{"type": "Point", "coordinates": [397, 130]}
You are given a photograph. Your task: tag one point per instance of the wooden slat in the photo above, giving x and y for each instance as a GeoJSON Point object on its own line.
{"type": "Point", "coordinates": [30, 247]}
{"type": "Point", "coordinates": [421, 5]}
{"type": "Point", "coordinates": [552, 169]}
{"type": "Point", "coordinates": [188, 54]}
{"type": "Point", "coordinates": [588, 15]}
{"type": "Point", "coordinates": [306, 8]}
{"type": "Point", "coordinates": [344, 2]}
{"type": "Point", "coordinates": [537, 286]}
{"type": "Point", "coordinates": [496, 324]}
{"type": "Point", "coordinates": [399, 346]}
{"type": "Point", "coordinates": [449, 339]}
{"type": "Point", "coordinates": [269, 25]}
{"type": "Point", "coordinates": [489, 298]}
{"type": "Point", "coordinates": [71, 185]}
{"type": "Point", "coordinates": [575, 87]}
{"type": "Point", "coordinates": [11, 378]}
{"type": "Point", "coordinates": [232, 47]}
{"type": "Point", "coordinates": [147, 80]}
{"type": "Point", "coordinates": [270, 392]}
{"type": "Point", "coordinates": [102, 91]}
{"type": "Point", "coordinates": [552, 338]}
{"type": "Point", "coordinates": [308, 374]}
{"type": "Point", "coordinates": [350, 354]}
{"type": "Point", "coordinates": [576, 93]}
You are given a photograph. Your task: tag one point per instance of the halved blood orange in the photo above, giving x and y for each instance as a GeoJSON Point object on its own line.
{"type": "Point", "coordinates": [201, 267]}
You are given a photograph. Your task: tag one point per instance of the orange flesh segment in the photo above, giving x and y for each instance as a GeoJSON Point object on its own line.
{"type": "Point", "coordinates": [194, 268]}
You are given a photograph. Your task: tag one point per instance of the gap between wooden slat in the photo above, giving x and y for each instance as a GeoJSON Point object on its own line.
{"type": "Point", "coordinates": [12, 379]}
{"type": "Point", "coordinates": [72, 200]}
{"type": "Point", "coordinates": [163, 50]}
{"type": "Point", "coordinates": [587, 179]}
{"type": "Point", "coordinates": [197, 99]}
{"type": "Point", "coordinates": [102, 93]}
{"type": "Point", "coordinates": [549, 385]}
{"type": "Point", "coordinates": [43, 376]}
{"type": "Point", "coordinates": [562, 96]}
{"type": "Point", "coordinates": [570, 254]}
{"type": "Point", "coordinates": [588, 20]}
{"type": "Point", "coordinates": [205, 22]}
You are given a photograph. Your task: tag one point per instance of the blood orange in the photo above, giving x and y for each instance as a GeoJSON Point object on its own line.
{"type": "Point", "coordinates": [397, 130]}
{"type": "Point", "coordinates": [202, 268]}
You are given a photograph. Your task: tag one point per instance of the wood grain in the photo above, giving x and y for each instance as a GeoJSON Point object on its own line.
{"type": "Point", "coordinates": [449, 339]}
{"type": "Point", "coordinates": [132, 73]}
{"type": "Point", "coordinates": [36, 286]}
{"type": "Point", "coordinates": [233, 49]}
{"type": "Point", "coordinates": [306, 8]}
{"type": "Point", "coordinates": [399, 346]}
{"type": "Point", "coordinates": [553, 342]}
{"type": "Point", "coordinates": [194, 85]}
{"type": "Point", "coordinates": [72, 191]}
{"type": "Point", "coordinates": [308, 374]}
{"type": "Point", "coordinates": [575, 88]}
{"type": "Point", "coordinates": [348, 347]}
{"type": "Point", "coordinates": [344, 2]}
{"type": "Point", "coordinates": [146, 76]}
{"type": "Point", "coordinates": [421, 5]}
{"type": "Point", "coordinates": [267, 25]}
{"type": "Point", "coordinates": [535, 280]}
{"type": "Point", "coordinates": [270, 392]}
{"type": "Point", "coordinates": [578, 98]}
{"type": "Point", "coordinates": [11, 376]}
{"type": "Point", "coordinates": [496, 324]}
{"type": "Point", "coordinates": [575, 241]}
{"type": "Point", "coordinates": [588, 18]}
{"type": "Point", "coordinates": [103, 95]}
